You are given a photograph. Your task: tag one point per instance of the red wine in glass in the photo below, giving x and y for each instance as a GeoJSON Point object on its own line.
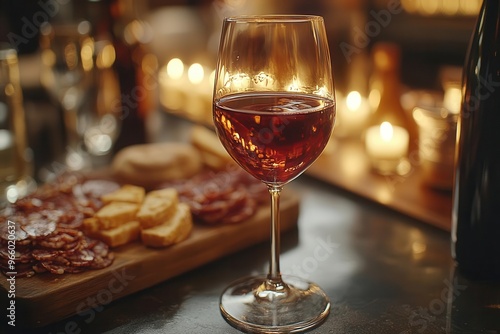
{"type": "Point", "coordinates": [274, 136]}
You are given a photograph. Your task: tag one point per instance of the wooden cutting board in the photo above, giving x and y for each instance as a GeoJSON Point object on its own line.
{"type": "Point", "coordinates": [46, 298]}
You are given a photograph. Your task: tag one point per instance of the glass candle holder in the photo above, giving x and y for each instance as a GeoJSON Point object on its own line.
{"type": "Point", "coordinates": [387, 147]}
{"type": "Point", "coordinates": [437, 131]}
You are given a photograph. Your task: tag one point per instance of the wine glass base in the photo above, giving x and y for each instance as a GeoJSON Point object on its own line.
{"type": "Point", "coordinates": [299, 306]}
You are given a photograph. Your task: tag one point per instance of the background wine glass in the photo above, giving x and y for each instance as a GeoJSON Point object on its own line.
{"type": "Point", "coordinates": [274, 111]}
{"type": "Point", "coordinates": [100, 116]}
{"type": "Point", "coordinates": [16, 168]}
{"type": "Point", "coordinates": [67, 51]}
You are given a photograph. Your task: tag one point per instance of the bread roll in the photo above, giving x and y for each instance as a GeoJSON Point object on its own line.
{"type": "Point", "coordinates": [213, 154]}
{"type": "Point", "coordinates": [148, 165]}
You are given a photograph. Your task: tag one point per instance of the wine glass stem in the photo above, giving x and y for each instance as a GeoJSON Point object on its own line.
{"type": "Point", "coordinates": [274, 276]}
{"type": "Point", "coordinates": [71, 124]}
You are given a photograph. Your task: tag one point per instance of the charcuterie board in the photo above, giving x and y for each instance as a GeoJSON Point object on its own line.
{"type": "Point", "coordinates": [47, 298]}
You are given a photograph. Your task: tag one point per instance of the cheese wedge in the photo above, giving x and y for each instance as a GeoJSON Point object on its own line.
{"type": "Point", "coordinates": [158, 207]}
{"type": "Point", "coordinates": [120, 235]}
{"type": "Point", "coordinates": [116, 214]}
{"type": "Point", "coordinates": [170, 232]}
{"type": "Point", "coordinates": [127, 193]}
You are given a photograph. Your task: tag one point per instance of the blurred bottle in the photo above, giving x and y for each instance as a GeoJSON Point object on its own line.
{"type": "Point", "coordinates": [15, 157]}
{"type": "Point", "coordinates": [114, 20]}
{"type": "Point", "coordinates": [392, 133]}
{"type": "Point", "coordinates": [385, 89]}
{"type": "Point", "coordinates": [476, 193]}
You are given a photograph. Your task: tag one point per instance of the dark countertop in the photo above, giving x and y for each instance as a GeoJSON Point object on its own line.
{"type": "Point", "coordinates": [384, 273]}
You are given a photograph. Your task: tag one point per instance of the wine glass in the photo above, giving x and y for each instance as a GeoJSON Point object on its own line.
{"type": "Point", "coordinates": [67, 51]}
{"type": "Point", "coordinates": [274, 111]}
{"type": "Point", "coordinates": [101, 112]}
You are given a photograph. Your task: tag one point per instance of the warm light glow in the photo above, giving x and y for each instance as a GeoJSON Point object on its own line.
{"type": "Point", "coordinates": [322, 91]}
{"type": "Point", "coordinates": [48, 57]}
{"type": "Point", "coordinates": [264, 80]}
{"type": "Point", "coordinates": [106, 57]}
{"type": "Point", "coordinates": [470, 7]}
{"type": "Point", "coordinates": [175, 68]}
{"type": "Point", "coordinates": [418, 244]}
{"type": "Point", "coordinates": [429, 7]}
{"type": "Point", "coordinates": [374, 98]}
{"type": "Point", "coordinates": [353, 115]}
{"type": "Point", "coordinates": [353, 163]}
{"type": "Point", "coordinates": [71, 56]}
{"type": "Point", "coordinates": [196, 73]}
{"type": "Point", "coordinates": [211, 78]}
{"type": "Point", "coordinates": [294, 86]}
{"type": "Point", "coordinates": [353, 101]}
{"type": "Point", "coordinates": [386, 131]}
{"type": "Point", "coordinates": [450, 7]}
{"type": "Point", "coordinates": [409, 5]}
{"type": "Point", "coordinates": [446, 7]}
{"type": "Point", "coordinates": [418, 247]}
{"type": "Point", "coordinates": [383, 194]}
{"type": "Point", "coordinates": [12, 193]}
{"type": "Point", "coordinates": [238, 82]}
{"type": "Point", "coordinates": [87, 53]}
{"type": "Point", "coordinates": [6, 140]}
{"type": "Point", "coordinates": [386, 145]}
{"type": "Point", "coordinates": [452, 99]}
{"type": "Point", "coordinates": [137, 31]}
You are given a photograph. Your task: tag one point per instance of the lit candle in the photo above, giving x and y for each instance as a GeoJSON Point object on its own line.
{"type": "Point", "coordinates": [352, 115]}
{"type": "Point", "coordinates": [174, 83]}
{"type": "Point", "coordinates": [196, 74]}
{"type": "Point", "coordinates": [199, 103]}
{"type": "Point", "coordinates": [452, 98]}
{"type": "Point", "coordinates": [386, 145]}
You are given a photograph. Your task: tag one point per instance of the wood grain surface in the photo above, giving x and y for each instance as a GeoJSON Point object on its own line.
{"type": "Point", "coordinates": [344, 164]}
{"type": "Point", "coordinates": [46, 298]}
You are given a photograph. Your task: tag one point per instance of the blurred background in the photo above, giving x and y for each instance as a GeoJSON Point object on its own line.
{"type": "Point", "coordinates": [156, 57]}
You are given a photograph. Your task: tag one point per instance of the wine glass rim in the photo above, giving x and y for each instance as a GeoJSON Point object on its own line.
{"type": "Point", "coordinates": [262, 18]}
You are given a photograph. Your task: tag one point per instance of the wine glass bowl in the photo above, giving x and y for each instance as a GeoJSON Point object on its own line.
{"type": "Point", "coordinates": [79, 74]}
{"type": "Point", "coordinates": [67, 58]}
{"type": "Point", "coordinates": [274, 137]}
{"type": "Point", "coordinates": [66, 53]}
{"type": "Point", "coordinates": [101, 112]}
{"type": "Point", "coordinates": [274, 112]}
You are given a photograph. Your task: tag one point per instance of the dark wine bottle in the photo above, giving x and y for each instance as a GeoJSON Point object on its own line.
{"type": "Point", "coordinates": [476, 191]}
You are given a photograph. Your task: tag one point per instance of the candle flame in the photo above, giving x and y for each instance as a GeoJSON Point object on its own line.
{"type": "Point", "coordinates": [175, 68]}
{"type": "Point", "coordinates": [353, 101]}
{"type": "Point", "coordinates": [453, 99]}
{"type": "Point", "coordinates": [386, 131]}
{"type": "Point", "coordinates": [196, 73]}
